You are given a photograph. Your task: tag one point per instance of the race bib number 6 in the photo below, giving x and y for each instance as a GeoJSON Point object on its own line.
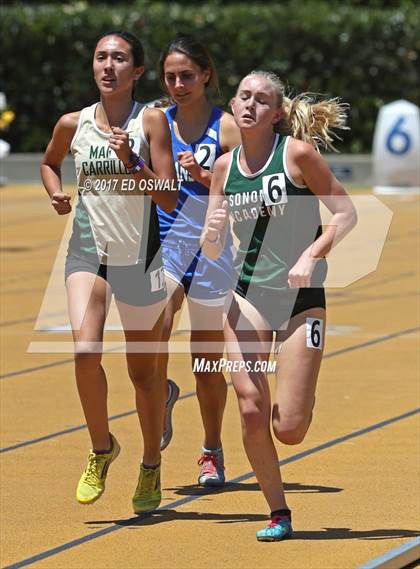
{"type": "Point", "coordinates": [314, 333]}
{"type": "Point", "coordinates": [274, 189]}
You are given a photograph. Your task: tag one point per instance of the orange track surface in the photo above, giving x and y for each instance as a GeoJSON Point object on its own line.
{"type": "Point", "coordinates": [352, 501]}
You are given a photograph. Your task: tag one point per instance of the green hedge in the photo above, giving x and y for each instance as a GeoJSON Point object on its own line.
{"type": "Point", "coordinates": [366, 56]}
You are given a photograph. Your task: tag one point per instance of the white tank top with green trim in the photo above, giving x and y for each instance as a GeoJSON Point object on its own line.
{"type": "Point", "coordinates": [113, 218]}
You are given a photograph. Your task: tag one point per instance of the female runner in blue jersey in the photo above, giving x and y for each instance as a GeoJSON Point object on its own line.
{"type": "Point", "coordinates": [274, 183]}
{"type": "Point", "coordinates": [200, 132]}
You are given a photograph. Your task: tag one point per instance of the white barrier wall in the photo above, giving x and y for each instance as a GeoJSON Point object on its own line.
{"type": "Point", "coordinates": [24, 168]}
{"type": "Point", "coordinates": [396, 149]}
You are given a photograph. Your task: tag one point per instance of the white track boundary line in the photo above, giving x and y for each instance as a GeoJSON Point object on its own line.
{"type": "Point", "coordinates": [396, 558]}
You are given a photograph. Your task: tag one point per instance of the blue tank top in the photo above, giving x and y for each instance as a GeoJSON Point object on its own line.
{"type": "Point", "coordinates": [186, 222]}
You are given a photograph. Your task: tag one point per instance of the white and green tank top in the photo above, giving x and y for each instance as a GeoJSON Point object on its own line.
{"type": "Point", "coordinates": [274, 218]}
{"type": "Point", "coordinates": [115, 223]}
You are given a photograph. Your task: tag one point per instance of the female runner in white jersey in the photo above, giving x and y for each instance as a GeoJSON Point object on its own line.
{"type": "Point", "coordinates": [200, 133]}
{"type": "Point", "coordinates": [120, 149]}
{"type": "Point", "coordinates": [274, 184]}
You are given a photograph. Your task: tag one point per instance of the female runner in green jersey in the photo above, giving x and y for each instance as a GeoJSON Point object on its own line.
{"type": "Point", "coordinates": [272, 185]}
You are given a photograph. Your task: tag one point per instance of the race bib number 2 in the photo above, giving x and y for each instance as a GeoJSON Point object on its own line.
{"type": "Point", "coordinates": [205, 155]}
{"type": "Point", "coordinates": [314, 333]}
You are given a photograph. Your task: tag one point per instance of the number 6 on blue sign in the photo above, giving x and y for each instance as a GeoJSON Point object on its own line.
{"type": "Point", "coordinates": [398, 141]}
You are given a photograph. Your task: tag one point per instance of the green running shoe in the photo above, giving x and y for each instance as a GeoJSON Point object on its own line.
{"type": "Point", "coordinates": [91, 485]}
{"type": "Point", "coordinates": [147, 496]}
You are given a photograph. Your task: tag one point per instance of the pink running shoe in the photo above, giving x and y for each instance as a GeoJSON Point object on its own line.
{"type": "Point", "coordinates": [212, 471]}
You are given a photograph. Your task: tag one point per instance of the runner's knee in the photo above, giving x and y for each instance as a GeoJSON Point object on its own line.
{"type": "Point", "coordinates": [291, 430]}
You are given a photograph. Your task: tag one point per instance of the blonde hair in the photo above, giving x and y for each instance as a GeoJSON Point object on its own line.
{"type": "Point", "coordinates": [306, 118]}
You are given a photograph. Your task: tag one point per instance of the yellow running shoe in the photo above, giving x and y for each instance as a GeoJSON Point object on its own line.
{"type": "Point", "coordinates": [91, 485]}
{"type": "Point", "coordinates": [147, 496]}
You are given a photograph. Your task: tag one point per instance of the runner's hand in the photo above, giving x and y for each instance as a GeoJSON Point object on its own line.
{"type": "Point", "coordinates": [300, 274]}
{"type": "Point", "coordinates": [187, 160]}
{"type": "Point", "coordinates": [119, 142]}
{"type": "Point", "coordinates": [61, 203]}
{"type": "Point", "coordinates": [216, 222]}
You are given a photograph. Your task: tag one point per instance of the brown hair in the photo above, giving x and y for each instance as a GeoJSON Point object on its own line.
{"type": "Point", "coordinates": [195, 51]}
{"type": "Point", "coordinates": [133, 41]}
